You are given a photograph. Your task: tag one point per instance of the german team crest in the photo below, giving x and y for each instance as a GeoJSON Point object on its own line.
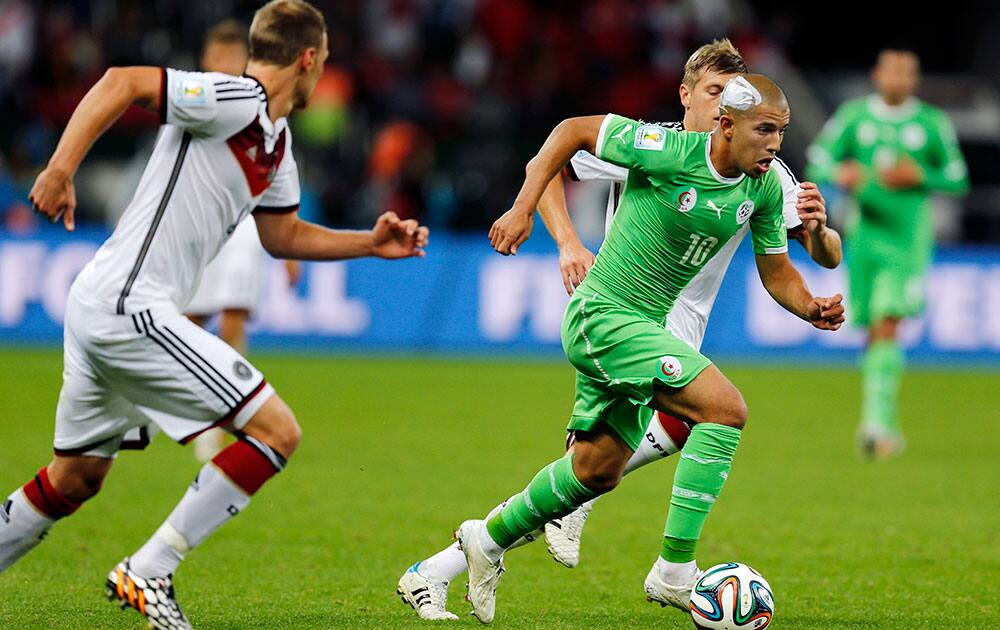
{"type": "Point", "coordinates": [744, 211]}
{"type": "Point", "coordinates": [671, 368]}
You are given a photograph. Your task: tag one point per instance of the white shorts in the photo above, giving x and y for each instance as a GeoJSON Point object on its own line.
{"type": "Point", "coordinates": [232, 279]}
{"type": "Point", "coordinates": [146, 371]}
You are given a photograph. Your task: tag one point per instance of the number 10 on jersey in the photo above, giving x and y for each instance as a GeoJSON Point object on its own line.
{"type": "Point", "coordinates": [699, 249]}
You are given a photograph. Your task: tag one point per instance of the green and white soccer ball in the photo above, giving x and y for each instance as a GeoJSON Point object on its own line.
{"type": "Point", "coordinates": [732, 596]}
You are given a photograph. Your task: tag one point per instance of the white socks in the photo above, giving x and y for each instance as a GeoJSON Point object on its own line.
{"type": "Point", "coordinates": [211, 500]}
{"type": "Point", "coordinates": [445, 565]}
{"type": "Point", "coordinates": [676, 573]}
{"type": "Point", "coordinates": [656, 445]}
{"type": "Point", "coordinates": [22, 527]}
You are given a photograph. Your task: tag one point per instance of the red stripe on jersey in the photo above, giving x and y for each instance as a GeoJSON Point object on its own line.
{"type": "Point", "coordinates": [46, 498]}
{"type": "Point", "coordinates": [259, 166]}
{"type": "Point", "coordinates": [675, 429]}
{"type": "Point", "coordinates": [229, 416]}
{"type": "Point", "coordinates": [245, 466]}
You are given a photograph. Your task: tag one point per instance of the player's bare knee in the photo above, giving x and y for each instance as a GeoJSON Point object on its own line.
{"type": "Point", "coordinates": [275, 425]}
{"type": "Point", "coordinates": [597, 471]}
{"type": "Point", "coordinates": [600, 477]}
{"type": "Point", "coordinates": [80, 478]}
{"type": "Point", "coordinates": [734, 412]}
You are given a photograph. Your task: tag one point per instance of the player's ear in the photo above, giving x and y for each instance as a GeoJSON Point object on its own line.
{"type": "Point", "coordinates": [685, 95]}
{"type": "Point", "coordinates": [307, 59]}
{"type": "Point", "coordinates": [726, 124]}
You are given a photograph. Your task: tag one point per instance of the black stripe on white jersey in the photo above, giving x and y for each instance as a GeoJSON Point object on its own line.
{"type": "Point", "coordinates": [192, 352]}
{"type": "Point", "coordinates": [171, 183]}
{"type": "Point", "coordinates": [241, 97]}
{"type": "Point", "coordinates": [244, 89]}
{"type": "Point", "coordinates": [172, 351]}
{"type": "Point", "coordinates": [787, 170]}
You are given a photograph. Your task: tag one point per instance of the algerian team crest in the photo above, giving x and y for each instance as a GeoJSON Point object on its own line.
{"type": "Point", "coordinates": [650, 137]}
{"type": "Point", "coordinates": [671, 368]}
{"type": "Point", "coordinates": [687, 199]}
{"type": "Point", "coordinates": [744, 211]}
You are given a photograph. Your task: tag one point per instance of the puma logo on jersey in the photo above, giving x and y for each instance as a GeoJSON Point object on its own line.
{"type": "Point", "coordinates": [718, 210]}
{"type": "Point", "coordinates": [621, 134]}
{"type": "Point", "coordinates": [252, 153]}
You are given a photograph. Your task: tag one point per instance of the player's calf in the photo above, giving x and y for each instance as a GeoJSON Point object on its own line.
{"type": "Point", "coordinates": [599, 459]}
{"type": "Point", "coordinates": [54, 493]}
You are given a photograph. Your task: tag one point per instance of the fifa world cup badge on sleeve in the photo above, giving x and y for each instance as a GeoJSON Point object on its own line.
{"type": "Point", "coordinates": [190, 91]}
{"type": "Point", "coordinates": [650, 137]}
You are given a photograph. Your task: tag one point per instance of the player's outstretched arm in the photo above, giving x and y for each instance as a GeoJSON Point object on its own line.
{"type": "Point", "coordinates": [52, 194]}
{"type": "Point", "coordinates": [788, 289]}
{"type": "Point", "coordinates": [287, 236]}
{"type": "Point", "coordinates": [575, 260]}
{"type": "Point", "coordinates": [821, 241]}
{"type": "Point", "coordinates": [569, 136]}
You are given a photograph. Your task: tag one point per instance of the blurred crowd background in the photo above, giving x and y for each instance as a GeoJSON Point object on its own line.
{"type": "Point", "coordinates": [432, 107]}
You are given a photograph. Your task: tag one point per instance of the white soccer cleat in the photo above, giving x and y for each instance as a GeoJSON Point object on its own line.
{"type": "Point", "coordinates": [878, 443]}
{"type": "Point", "coordinates": [153, 597]}
{"type": "Point", "coordinates": [484, 574]}
{"type": "Point", "coordinates": [425, 595]}
{"type": "Point", "coordinates": [562, 535]}
{"type": "Point", "coordinates": [678, 596]}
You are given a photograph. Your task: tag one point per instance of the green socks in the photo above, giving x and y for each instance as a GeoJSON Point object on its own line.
{"type": "Point", "coordinates": [555, 491]}
{"type": "Point", "coordinates": [701, 472]}
{"type": "Point", "coordinates": [881, 373]}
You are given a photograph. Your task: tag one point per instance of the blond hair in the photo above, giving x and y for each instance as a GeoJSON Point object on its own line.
{"type": "Point", "coordinates": [282, 29]}
{"type": "Point", "coordinates": [719, 55]}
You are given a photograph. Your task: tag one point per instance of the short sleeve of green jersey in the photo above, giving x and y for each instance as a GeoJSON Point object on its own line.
{"type": "Point", "coordinates": [632, 144]}
{"type": "Point", "coordinates": [767, 224]}
{"type": "Point", "coordinates": [947, 171]}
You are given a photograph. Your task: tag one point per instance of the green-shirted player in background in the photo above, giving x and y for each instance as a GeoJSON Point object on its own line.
{"type": "Point", "coordinates": [891, 151]}
{"type": "Point", "coordinates": [686, 195]}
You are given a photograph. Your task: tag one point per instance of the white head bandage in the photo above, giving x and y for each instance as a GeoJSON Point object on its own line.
{"type": "Point", "coordinates": [739, 94]}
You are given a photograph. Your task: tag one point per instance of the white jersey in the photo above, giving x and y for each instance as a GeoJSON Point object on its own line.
{"type": "Point", "coordinates": [689, 317]}
{"type": "Point", "coordinates": [218, 158]}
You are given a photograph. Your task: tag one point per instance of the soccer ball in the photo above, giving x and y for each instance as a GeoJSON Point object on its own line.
{"type": "Point", "coordinates": [732, 596]}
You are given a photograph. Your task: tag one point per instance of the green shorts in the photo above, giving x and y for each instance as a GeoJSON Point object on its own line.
{"type": "Point", "coordinates": [884, 282]}
{"type": "Point", "coordinates": [620, 356]}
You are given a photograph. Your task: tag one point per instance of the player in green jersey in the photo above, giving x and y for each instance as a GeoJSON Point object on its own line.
{"type": "Point", "coordinates": [687, 194]}
{"type": "Point", "coordinates": [890, 151]}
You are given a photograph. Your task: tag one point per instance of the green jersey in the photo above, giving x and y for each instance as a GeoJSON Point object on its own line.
{"type": "Point", "coordinates": [675, 213]}
{"type": "Point", "coordinates": [877, 136]}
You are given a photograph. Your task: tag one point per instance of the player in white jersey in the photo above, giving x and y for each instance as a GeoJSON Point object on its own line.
{"type": "Point", "coordinates": [230, 284]}
{"type": "Point", "coordinates": [132, 360]}
{"type": "Point", "coordinates": [424, 585]}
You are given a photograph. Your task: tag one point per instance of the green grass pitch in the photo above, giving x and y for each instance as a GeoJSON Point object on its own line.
{"type": "Point", "coordinates": [398, 451]}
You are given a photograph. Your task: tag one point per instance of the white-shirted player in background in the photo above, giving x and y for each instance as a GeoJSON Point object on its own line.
{"type": "Point", "coordinates": [231, 282]}
{"type": "Point", "coordinates": [131, 359]}
{"type": "Point", "coordinates": [425, 585]}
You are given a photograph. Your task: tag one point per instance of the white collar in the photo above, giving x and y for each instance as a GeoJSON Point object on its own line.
{"type": "Point", "coordinates": [711, 167]}
{"type": "Point", "coordinates": [884, 111]}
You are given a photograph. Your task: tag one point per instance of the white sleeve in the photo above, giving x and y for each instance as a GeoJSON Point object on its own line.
{"type": "Point", "coordinates": [283, 194]}
{"type": "Point", "coordinates": [207, 103]}
{"type": "Point", "coordinates": [587, 166]}
{"type": "Point", "coordinates": [790, 190]}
